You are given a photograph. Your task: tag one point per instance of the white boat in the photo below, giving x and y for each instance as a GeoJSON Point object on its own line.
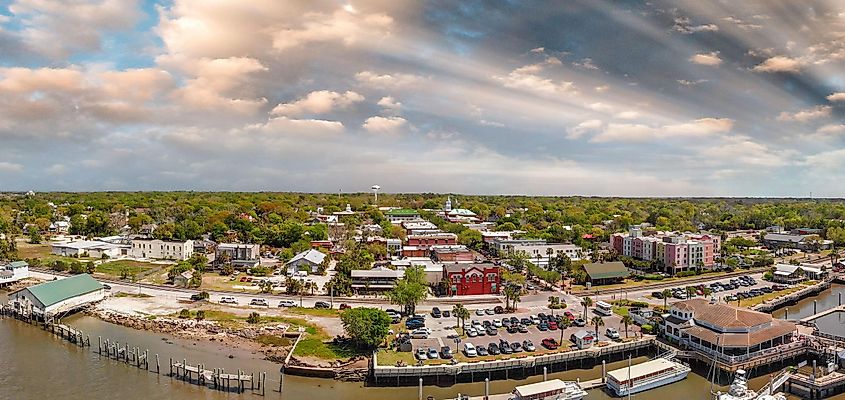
{"type": "Point", "coordinates": [739, 390]}
{"type": "Point", "coordinates": [645, 376]}
{"type": "Point", "coordinates": [553, 389]}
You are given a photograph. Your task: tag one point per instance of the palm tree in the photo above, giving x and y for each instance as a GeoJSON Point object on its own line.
{"type": "Point", "coordinates": [553, 303]}
{"type": "Point", "coordinates": [666, 293]}
{"type": "Point", "coordinates": [587, 303]}
{"type": "Point", "coordinates": [597, 321]}
{"type": "Point", "coordinates": [626, 320]}
{"type": "Point", "coordinates": [515, 296]}
{"type": "Point", "coordinates": [461, 314]}
{"type": "Point", "coordinates": [564, 323]}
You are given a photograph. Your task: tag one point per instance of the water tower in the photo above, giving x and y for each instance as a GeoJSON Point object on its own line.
{"type": "Point", "coordinates": [375, 189]}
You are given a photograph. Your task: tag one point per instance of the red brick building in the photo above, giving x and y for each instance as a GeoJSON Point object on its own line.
{"type": "Point", "coordinates": [454, 253]}
{"type": "Point", "coordinates": [426, 241]}
{"type": "Point", "coordinates": [470, 279]}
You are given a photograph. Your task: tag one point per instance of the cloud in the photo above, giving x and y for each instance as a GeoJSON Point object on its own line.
{"type": "Point", "coordinates": [387, 81]}
{"type": "Point", "coordinates": [743, 24]}
{"type": "Point", "coordinates": [57, 29]}
{"type": "Point", "coordinates": [696, 82]}
{"type": "Point", "coordinates": [349, 28]}
{"type": "Point", "coordinates": [588, 126]}
{"type": "Point", "coordinates": [527, 78]}
{"type": "Point", "coordinates": [806, 115]}
{"type": "Point", "coordinates": [390, 104]}
{"type": "Point", "coordinates": [831, 129]}
{"type": "Point", "coordinates": [711, 59]}
{"type": "Point", "coordinates": [633, 133]}
{"type": "Point", "coordinates": [627, 115]}
{"type": "Point", "coordinates": [684, 25]}
{"type": "Point", "coordinates": [838, 96]}
{"type": "Point", "coordinates": [56, 169]}
{"type": "Point", "coordinates": [10, 167]}
{"type": "Point", "coordinates": [384, 125]}
{"type": "Point", "coordinates": [318, 102]}
{"type": "Point", "coordinates": [780, 64]}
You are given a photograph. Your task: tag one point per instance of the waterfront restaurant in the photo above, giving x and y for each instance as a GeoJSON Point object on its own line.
{"type": "Point", "coordinates": [725, 331]}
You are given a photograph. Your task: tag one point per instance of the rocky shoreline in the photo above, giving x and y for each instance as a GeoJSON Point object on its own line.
{"type": "Point", "coordinates": [191, 329]}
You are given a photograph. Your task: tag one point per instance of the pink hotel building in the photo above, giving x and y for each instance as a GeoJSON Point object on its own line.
{"type": "Point", "coordinates": [676, 252]}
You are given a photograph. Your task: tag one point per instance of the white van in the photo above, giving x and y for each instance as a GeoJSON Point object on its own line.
{"type": "Point", "coordinates": [228, 300]}
{"type": "Point", "coordinates": [469, 350]}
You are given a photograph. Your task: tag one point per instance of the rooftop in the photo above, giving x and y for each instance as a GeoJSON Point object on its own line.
{"type": "Point", "coordinates": [54, 292]}
{"type": "Point", "coordinates": [642, 369]}
{"type": "Point", "coordinates": [615, 269]}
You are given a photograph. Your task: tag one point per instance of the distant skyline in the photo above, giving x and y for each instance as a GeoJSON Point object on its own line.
{"type": "Point", "coordinates": [676, 98]}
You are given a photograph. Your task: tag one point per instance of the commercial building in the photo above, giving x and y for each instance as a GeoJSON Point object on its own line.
{"type": "Point", "coordinates": [504, 247]}
{"type": "Point", "coordinates": [539, 254]}
{"type": "Point", "coordinates": [57, 297]}
{"type": "Point", "coordinates": [89, 248]}
{"type": "Point", "coordinates": [420, 227]}
{"type": "Point", "coordinates": [452, 254]}
{"type": "Point", "coordinates": [376, 279]}
{"type": "Point", "coordinates": [669, 251]}
{"type": "Point", "coordinates": [240, 255]}
{"type": "Point", "coordinates": [401, 214]}
{"type": "Point", "coordinates": [790, 274]}
{"type": "Point", "coordinates": [605, 273]}
{"type": "Point", "coordinates": [724, 331]}
{"type": "Point", "coordinates": [795, 241]}
{"type": "Point", "coordinates": [162, 249]}
{"type": "Point", "coordinates": [471, 279]}
{"type": "Point", "coordinates": [420, 245]}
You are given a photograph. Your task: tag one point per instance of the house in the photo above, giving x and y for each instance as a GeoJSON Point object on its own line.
{"type": "Point", "coordinates": [89, 248]}
{"type": "Point", "coordinates": [376, 279]}
{"type": "Point", "coordinates": [162, 249]}
{"type": "Point", "coordinates": [57, 297]}
{"type": "Point", "coordinates": [13, 272]}
{"type": "Point", "coordinates": [583, 339]}
{"type": "Point", "coordinates": [472, 279]}
{"type": "Point", "coordinates": [240, 255]}
{"type": "Point", "coordinates": [308, 260]}
{"type": "Point", "coordinates": [183, 279]}
{"type": "Point", "coordinates": [59, 227]}
{"type": "Point", "coordinates": [401, 214]}
{"type": "Point", "coordinates": [724, 331]}
{"type": "Point", "coordinates": [606, 273]}
{"type": "Point", "coordinates": [452, 253]}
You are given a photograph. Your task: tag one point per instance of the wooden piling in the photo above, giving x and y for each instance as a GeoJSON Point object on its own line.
{"type": "Point", "coordinates": [263, 383]}
{"type": "Point", "coordinates": [158, 366]}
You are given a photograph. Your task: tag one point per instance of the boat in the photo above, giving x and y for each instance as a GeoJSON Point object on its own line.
{"type": "Point", "coordinates": [645, 376]}
{"type": "Point", "coordinates": [553, 389]}
{"type": "Point", "coordinates": [739, 390]}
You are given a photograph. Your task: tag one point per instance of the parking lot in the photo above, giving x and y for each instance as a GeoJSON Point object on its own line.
{"type": "Point", "coordinates": [443, 332]}
{"type": "Point", "coordinates": [723, 290]}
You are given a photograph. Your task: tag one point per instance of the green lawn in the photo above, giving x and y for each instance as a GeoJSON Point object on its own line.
{"type": "Point", "coordinates": [391, 357]}
{"type": "Point", "coordinates": [315, 312]}
{"type": "Point", "coordinates": [621, 311]}
{"type": "Point", "coordinates": [766, 297]}
{"type": "Point", "coordinates": [115, 268]}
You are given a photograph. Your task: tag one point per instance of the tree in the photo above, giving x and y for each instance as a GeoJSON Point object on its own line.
{"type": "Point", "coordinates": [367, 327]}
{"type": "Point", "coordinates": [597, 321]}
{"type": "Point", "coordinates": [34, 236]}
{"type": "Point", "coordinates": [554, 302]}
{"type": "Point", "coordinates": [564, 323]}
{"type": "Point", "coordinates": [200, 315]}
{"type": "Point", "coordinates": [461, 314]}
{"type": "Point", "coordinates": [512, 296]}
{"type": "Point", "coordinates": [311, 286]}
{"type": "Point", "coordinates": [666, 293]}
{"type": "Point", "coordinates": [626, 320]}
{"type": "Point", "coordinates": [266, 287]}
{"type": "Point", "coordinates": [253, 318]}
{"type": "Point", "coordinates": [293, 286]}
{"type": "Point", "coordinates": [90, 267]}
{"type": "Point", "coordinates": [184, 313]}
{"type": "Point", "coordinates": [410, 290]}
{"type": "Point", "coordinates": [587, 303]}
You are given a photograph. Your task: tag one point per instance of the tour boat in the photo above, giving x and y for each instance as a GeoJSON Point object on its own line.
{"type": "Point", "coordinates": [554, 389]}
{"type": "Point", "coordinates": [645, 376]}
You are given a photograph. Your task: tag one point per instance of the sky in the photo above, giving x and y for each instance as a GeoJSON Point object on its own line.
{"type": "Point", "coordinates": [579, 97]}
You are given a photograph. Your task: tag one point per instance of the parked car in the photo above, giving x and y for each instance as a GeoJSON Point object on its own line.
{"type": "Point", "coordinates": [469, 350]}
{"type": "Point", "coordinates": [493, 349]}
{"type": "Point", "coordinates": [492, 331]}
{"type": "Point", "coordinates": [612, 333]}
{"type": "Point", "coordinates": [446, 314]}
{"type": "Point", "coordinates": [579, 322]}
{"type": "Point", "coordinates": [287, 303]}
{"type": "Point", "coordinates": [499, 310]}
{"type": "Point", "coordinates": [489, 311]}
{"type": "Point", "coordinates": [479, 312]}
{"type": "Point", "coordinates": [523, 329]}
{"type": "Point", "coordinates": [421, 354]}
{"type": "Point", "coordinates": [433, 354]}
{"type": "Point", "coordinates": [528, 346]}
{"type": "Point", "coordinates": [552, 325]}
{"type": "Point", "coordinates": [419, 334]}
{"type": "Point", "coordinates": [344, 306]}
{"type": "Point", "coordinates": [657, 295]}
{"type": "Point", "coordinates": [435, 312]}
{"type": "Point", "coordinates": [513, 329]}
{"type": "Point", "coordinates": [481, 350]}
{"type": "Point", "coordinates": [543, 326]}
{"type": "Point", "coordinates": [497, 323]}
{"type": "Point", "coordinates": [228, 300]}
{"type": "Point", "coordinates": [516, 347]}
{"type": "Point", "coordinates": [446, 353]}
{"type": "Point", "coordinates": [322, 304]}
{"type": "Point", "coordinates": [550, 344]}
{"type": "Point", "coordinates": [471, 332]}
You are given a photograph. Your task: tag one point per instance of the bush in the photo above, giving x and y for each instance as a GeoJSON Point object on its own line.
{"type": "Point", "coordinates": [200, 315]}
{"type": "Point", "coordinates": [253, 318]}
{"type": "Point", "coordinates": [260, 271]}
{"type": "Point", "coordinates": [630, 303]}
{"type": "Point", "coordinates": [653, 277]}
{"type": "Point", "coordinates": [647, 328]}
{"type": "Point", "coordinates": [768, 276]}
{"type": "Point", "coordinates": [685, 274]}
{"type": "Point", "coordinates": [185, 313]}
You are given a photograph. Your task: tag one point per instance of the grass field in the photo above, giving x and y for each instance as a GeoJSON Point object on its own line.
{"type": "Point", "coordinates": [115, 268]}
{"type": "Point", "coordinates": [766, 297]}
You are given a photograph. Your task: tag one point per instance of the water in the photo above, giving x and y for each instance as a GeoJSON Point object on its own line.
{"type": "Point", "coordinates": [833, 323]}
{"type": "Point", "coordinates": [828, 298]}
{"type": "Point", "coordinates": [36, 365]}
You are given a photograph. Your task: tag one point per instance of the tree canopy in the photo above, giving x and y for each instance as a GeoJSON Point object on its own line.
{"type": "Point", "coordinates": [367, 327]}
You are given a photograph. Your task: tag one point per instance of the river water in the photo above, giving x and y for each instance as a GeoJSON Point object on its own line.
{"type": "Point", "coordinates": [37, 365]}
